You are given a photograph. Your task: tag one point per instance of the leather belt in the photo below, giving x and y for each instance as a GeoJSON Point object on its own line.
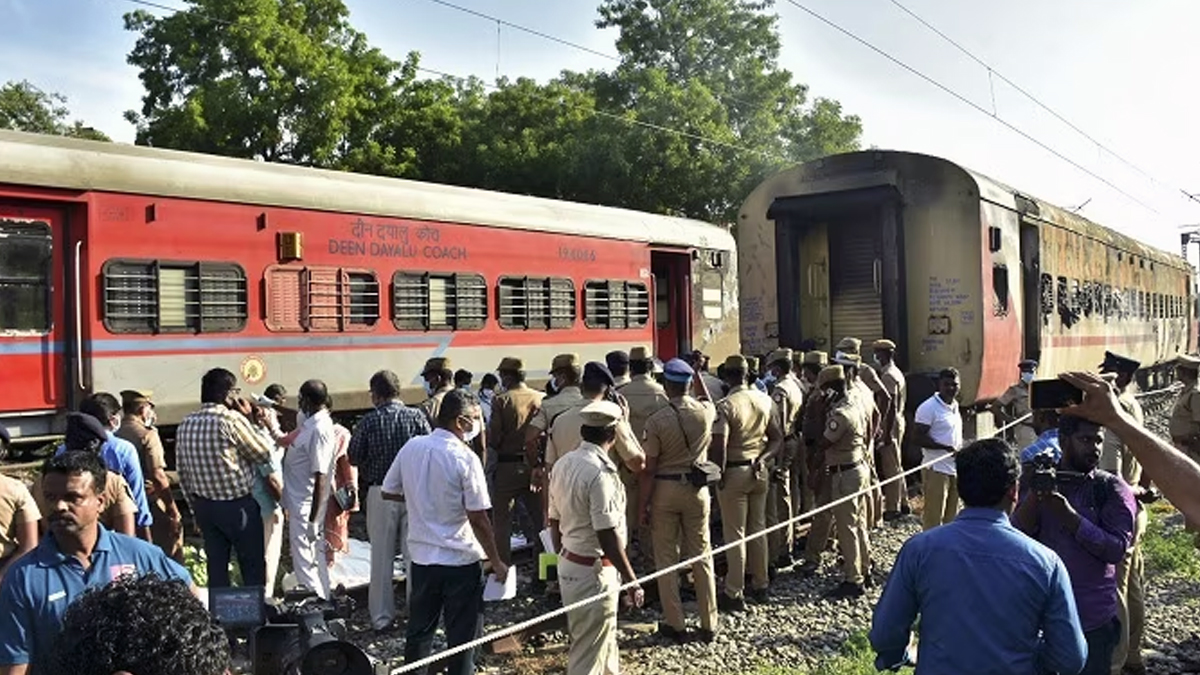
{"type": "Point", "coordinates": [510, 459]}
{"type": "Point", "coordinates": [671, 476]}
{"type": "Point", "coordinates": [838, 468]}
{"type": "Point", "coordinates": [584, 560]}
{"type": "Point", "coordinates": [739, 463]}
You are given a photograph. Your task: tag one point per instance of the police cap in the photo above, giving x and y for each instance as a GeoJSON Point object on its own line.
{"type": "Point", "coordinates": [595, 372]}
{"type": "Point", "coordinates": [82, 429]}
{"type": "Point", "coordinates": [849, 345]}
{"type": "Point", "coordinates": [437, 364]}
{"type": "Point", "coordinates": [884, 345]}
{"type": "Point", "coordinates": [781, 354]}
{"type": "Point", "coordinates": [1028, 365]}
{"type": "Point", "coordinates": [828, 374]}
{"type": "Point", "coordinates": [678, 370]}
{"type": "Point", "coordinates": [640, 353]}
{"type": "Point", "coordinates": [564, 362]}
{"type": "Point", "coordinates": [737, 362]}
{"type": "Point", "coordinates": [511, 364]}
{"type": "Point", "coordinates": [1115, 363]}
{"type": "Point", "coordinates": [816, 358]}
{"type": "Point", "coordinates": [853, 360]}
{"type": "Point", "coordinates": [616, 358]}
{"type": "Point", "coordinates": [601, 414]}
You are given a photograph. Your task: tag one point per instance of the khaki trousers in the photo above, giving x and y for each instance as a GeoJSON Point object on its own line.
{"type": "Point", "coordinates": [802, 495]}
{"type": "Point", "coordinates": [679, 518]}
{"type": "Point", "coordinates": [743, 499]}
{"type": "Point", "coordinates": [941, 498]}
{"type": "Point", "coordinates": [633, 519]}
{"type": "Point", "coordinates": [851, 529]}
{"type": "Point", "coordinates": [873, 500]}
{"type": "Point", "coordinates": [512, 483]}
{"type": "Point", "coordinates": [1131, 600]}
{"type": "Point", "coordinates": [779, 504]}
{"type": "Point", "coordinates": [593, 627]}
{"type": "Point", "coordinates": [891, 465]}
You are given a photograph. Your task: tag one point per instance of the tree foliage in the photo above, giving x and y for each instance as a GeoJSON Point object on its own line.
{"type": "Point", "coordinates": [24, 107]}
{"type": "Point", "coordinates": [695, 114]}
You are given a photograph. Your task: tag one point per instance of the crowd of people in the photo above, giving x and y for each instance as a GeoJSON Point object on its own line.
{"type": "Point", "coordinates": [622, 461]}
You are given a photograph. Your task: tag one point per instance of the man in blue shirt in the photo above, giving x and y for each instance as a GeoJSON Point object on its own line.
{"type": "Point", "coordinates": [119, 455]}
{"type": "Point", "coordinates": [1045, 422]}
{"type": "Point", "coordinates": [991, 600]}
{"type": "Point", "coordinates": [77, 553]}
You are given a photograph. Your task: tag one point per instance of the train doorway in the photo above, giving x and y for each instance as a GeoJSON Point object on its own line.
{"type": "Point", "coordinates": [672, 290]}
{"type": "Point", "coordinates": [839, 263]}
{"type": "Point", "coordinates": [34, 331]}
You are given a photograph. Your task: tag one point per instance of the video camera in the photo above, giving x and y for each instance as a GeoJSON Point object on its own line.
{"type": "Point", "coordinates": [1045, 475]}
{"type": "Point", "coordinates": [302, 635]}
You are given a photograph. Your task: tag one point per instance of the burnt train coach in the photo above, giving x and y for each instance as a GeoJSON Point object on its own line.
{"type": "Point", "coordinates": [126, 267]}
{"type": "Point", "coordinates": [958, 269]}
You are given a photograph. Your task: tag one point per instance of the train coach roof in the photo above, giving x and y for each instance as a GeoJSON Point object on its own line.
{"type": "Point", "coordinates": [73, 164]}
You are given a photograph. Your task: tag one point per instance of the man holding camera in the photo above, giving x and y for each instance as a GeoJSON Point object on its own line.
{"type": "Point", "coordinates": [1087, 517]}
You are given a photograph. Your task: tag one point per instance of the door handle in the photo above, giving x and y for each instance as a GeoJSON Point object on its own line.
{"type": "Point", "coordinates": [811, 291]}
{"type": "Point", "coordinates": [877, 276]}
{"type": "Point", "coordinates": [78, 317]}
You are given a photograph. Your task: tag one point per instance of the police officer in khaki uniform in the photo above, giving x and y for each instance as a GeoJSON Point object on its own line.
{"type": "Point", "coordinates": [137, 427]}
{"type": "Point", "coordinates": [812, 425]}
{"type": "Point", "coordinates": [439, 379]}
{"type": "Point", "coordinates": [787, 400]}
{"type": "Point", "coordinates": [564, 434]}
{"type": "Point", "coordinates": [643, 398]}
{"type": "Point", "coordinates": [746, 439]}
{"type": "Point", "coordinates": [512, 413]}
{"type": "Point", "coordinates": [587, 524]}
{"type": "Point", "coordinates": [867, 400]}
{"type": "Point", "coordinates": [895, 502]}
{"type": "Point", "coordinates": [564, 395]}
{"type": "Point", "coordinates": [675, 438]}
{"type": "Point", "coordinates": [844, 448]}
{"type": "Point", "coordinates": [1013, 404]}
{"type": "Point", "coordinates": [1185, 418]}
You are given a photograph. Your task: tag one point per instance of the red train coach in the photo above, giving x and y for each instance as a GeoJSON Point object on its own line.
{"type": "Point", "coordinates": [126, 267]}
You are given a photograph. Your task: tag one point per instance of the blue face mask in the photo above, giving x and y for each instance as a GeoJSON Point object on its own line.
{"type": "Point", "coordinates": [1027, 377]}
{"type": "Point", "coordinates": [428, 388]}
{"type": "Point", "coordinates": [769, 378]}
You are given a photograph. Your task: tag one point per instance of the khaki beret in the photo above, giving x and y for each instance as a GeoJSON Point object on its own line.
{"type": "Point", "coordinates": [829, 374]}
{"type": "Point", "coordinates": [601, 414]}
{"type": "Point", "coordinates": [511, 364]}
{"type": "Point", "coordinates": [134, 395]}
{"type": "Point", "coordinates": [884, 345]}
{"type": "Point", "coordinates": [816, 358]}
{"type": "Point", "coordinates": [737, 362]}
{"type": "Point", "coordinates": [849, 345]}
{"type": "Point", "coordinates": [563, 362]}
{"type": "Point", "coordinates": [1188, 361]}
{"type": "Point", "coordinates": [640, 353]}
{"type": "Point", "coordinates": [781, 354]}
{"type": "Point", "coordinates": [436, 364]}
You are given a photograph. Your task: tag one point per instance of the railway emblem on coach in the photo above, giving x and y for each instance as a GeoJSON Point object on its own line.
{"type": "Point", "coordinates": [253, 370]}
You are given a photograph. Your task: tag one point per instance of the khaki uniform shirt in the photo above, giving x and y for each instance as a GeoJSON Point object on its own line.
{"type": "Point", "coordinates": [787, 399]}
{"type": "Point", "coordinates": [433, 404]}
{"type": "Point", "coordinates": [847, 432]}
{"type": "Point", "coordinates": [553, 406]}
{"type": "Point", "coordinates": [1185, 416]}
{"type": "Point", "coordinates": [861, 396]}
{"type": "Point", "coordinates": [17, 506]}
{"type": "Point", "coordinates": [665, 437]}
{"type": "Point", "coordinates": [565, 437]}
{"type": "Point", "coordinates": [868, 376]}
{"type": "Point", "coordinates": [1015, 401]}
{"type": "Point", "coordinates": [512, 412]}
{"type": "Point", "coordinates": [1115, 457]}
{"type": "Point", "coordinates": [895, 385]}
{"type": "Point", "coordinates": [147, 442]}
{"type": "Point", "coordinates": [586, 496]}
{"type": "Point", "coordinates": [645, 397]}
{"type": "Point", "coordinates": [742, 418]}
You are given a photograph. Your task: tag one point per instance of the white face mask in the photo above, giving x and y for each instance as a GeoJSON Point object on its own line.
{"type": "Point", "coordinates": [476, 429]}
{"type": "Point", "coordinates": [428, 388]}
{"type": "Point", "coordinates": [1027, 377]}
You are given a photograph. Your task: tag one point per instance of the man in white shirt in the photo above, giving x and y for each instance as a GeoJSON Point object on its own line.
{"type": "Point", "coordinates": [937, 428]}
{"type": "Point", "coordinates": [307, 466]}
{"type": "Point", "coordinates": [441, 480]}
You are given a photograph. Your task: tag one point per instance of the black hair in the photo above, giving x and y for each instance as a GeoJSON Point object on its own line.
{"type": "Point", "coordinates": [592, 387]}
{"type": "Point", "coordinates": [732, 375]}
{"type": "Point", "coordinates": [77, 463]}
{"type": "Point", "coordinates": [140, 624]}
{"type": "Point", "coordinates": [463, 377]}
{"type": "Point", "coordinates": [216, 385]}
{"type": "Point", "coordinates": [275, 391]}
{"type": "Point", "coordinates": [316, 393]}
{"type": "Point", "coordinates": [1069, 425]}
{"type": "Point", "coordinates": [134, 405]}
{"type": "Point", "coordinates": [489, 381]}
{"type": "Point", "coordinates": [101, 405]}
{"type": "Point", "coordinates": [948, 374]}
{"type": "Point", "coordinates": [598, 435]}
{"type": "Point", "coordinates": [640, 367]}
{"type": "Point", "coordinates": [385, 385]}
{"type": "Point", "coordinates": [675, 389]}
{"type": "Point", "coordinates": [454, 405]}
{"type": "Point", "coordinates": [987, 470]}
{"type": "Point", "coordinates": [571, 376]}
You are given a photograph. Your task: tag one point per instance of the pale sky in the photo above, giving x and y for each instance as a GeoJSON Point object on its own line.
{"type": "Point", "coordinates": [1122, 71]}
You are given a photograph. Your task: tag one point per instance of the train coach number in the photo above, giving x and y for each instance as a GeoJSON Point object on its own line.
{"type": "Point", "coordinates": [577, 254]}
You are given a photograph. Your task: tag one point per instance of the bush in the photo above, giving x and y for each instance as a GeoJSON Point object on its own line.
{"type": "Point", "coordinates": [1168, 548]}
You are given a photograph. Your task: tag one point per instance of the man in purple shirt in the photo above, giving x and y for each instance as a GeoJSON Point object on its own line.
{"type": "Point", "coordinates": [1087, 518]}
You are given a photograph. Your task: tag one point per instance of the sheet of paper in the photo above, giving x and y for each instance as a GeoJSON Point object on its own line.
{"type": "Point", "coordinates": [547, 541]}
{"type": "Point", "coordinates": [494, 591]}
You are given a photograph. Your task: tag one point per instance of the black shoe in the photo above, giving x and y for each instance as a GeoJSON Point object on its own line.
{"type": "Point", "coordinates": [758, 596]}
{"type": "Point", "coordinates": [670, 633]}
{"type": "Point", "coordinates": [809, 568]}
{"type": "Point", "coordinates": [704, 635]}
{"type": "Point", "coordinates": [905, 509]}
{"type": "Point", "coordinates": [844, 590]}
{"type": "Point", "coordinates": [784, 561]}
{"type": "Point", "coordinates": [728, 604]}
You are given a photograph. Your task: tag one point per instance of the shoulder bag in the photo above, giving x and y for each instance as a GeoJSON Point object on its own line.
{"type": "Point", "coordinates": [702, 473]}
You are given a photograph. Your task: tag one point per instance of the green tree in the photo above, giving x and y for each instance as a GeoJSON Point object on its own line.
{"type": "Point", "coordinates": [279, 80]}
{"type": "Point", "coordinates": [24, 107]}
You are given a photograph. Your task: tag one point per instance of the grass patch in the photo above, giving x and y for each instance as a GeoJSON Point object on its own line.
{"type": "Point", "coordinates": [855, 658]}
{"type": "Point", "coordinates": [1169, 549]}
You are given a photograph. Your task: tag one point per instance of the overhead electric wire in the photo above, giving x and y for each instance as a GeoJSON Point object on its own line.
{"type": "Point", "coordinates": [526, 29]}
{"type": "Point", "coordinates": [1012, 127]}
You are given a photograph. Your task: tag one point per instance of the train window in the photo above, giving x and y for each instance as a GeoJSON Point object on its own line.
{"type": "Point", "coordinates": [154, 296]}
{"type": "Point", "coordinates": [26, 252]}
{"type": "Point", "coordinates": [535, 302]}
{"type": "Point", "coordinates": [438, 301]}
{"type": "Point", "coordinates": [1047, 293]}
{"type": "Point", "coordinates": [999, 290]}
{"type": "Point", "coordinates": [615, 304]}
{"type": "Point", "coordinates": [363, 304]}
{"type": "Point", "coordinates": [321, 299]}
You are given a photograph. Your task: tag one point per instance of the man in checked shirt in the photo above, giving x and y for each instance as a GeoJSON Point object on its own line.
{"type": "Point", "coordinates": [377, 438]}
{"type": "Point", "coordinates": [217, 452]}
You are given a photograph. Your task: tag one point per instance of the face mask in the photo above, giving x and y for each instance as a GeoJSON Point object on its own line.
{"type": "Point", "coordinates": [476, 428]}
{"type": "Point", "coordinates": [876, 359]}
{"type": "Point", "coordinates": [149, 420]}
{"type": "Point", "coordinates": [553, 385]}
{"type": "Point", "coordinates": [428, 388]}
{"type": "Point", "coordinates": [1027, 377]}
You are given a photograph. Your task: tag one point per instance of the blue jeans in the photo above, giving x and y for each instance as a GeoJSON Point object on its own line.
{"type": "Point", "coordinates": [233, 526]}
{"type": "Point", "coordinates": [455, 592]}
{"type": "Point", "coordinates": [1101, 642]}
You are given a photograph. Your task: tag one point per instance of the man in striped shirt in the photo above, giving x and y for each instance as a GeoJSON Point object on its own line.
{"type": "Point", "coordinates": [217, 452]}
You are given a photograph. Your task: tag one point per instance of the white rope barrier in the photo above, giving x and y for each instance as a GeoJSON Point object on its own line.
{"type": "Point", "coordinates": [685, 564]}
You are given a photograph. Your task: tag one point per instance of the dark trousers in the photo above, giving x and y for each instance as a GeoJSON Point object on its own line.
{"type": "Point", "coordinates": [233, 526]}
{"type": "Point", "coordinates": [456, 592]}
{"type": "Point", "coordinates": [1101, 642]}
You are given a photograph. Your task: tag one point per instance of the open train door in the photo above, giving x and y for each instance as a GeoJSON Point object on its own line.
{"type": "Point", "coordinates": [34, 316]}
{"type": "Point", "coordinates": [671, 269]}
